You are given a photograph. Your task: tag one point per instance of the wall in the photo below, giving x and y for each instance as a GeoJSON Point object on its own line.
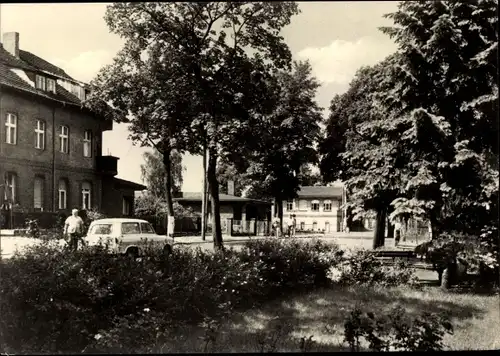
{"type": "Point", "coordinates": [27, 161]}
{"type": "Point", "coordinates": [112, 197]}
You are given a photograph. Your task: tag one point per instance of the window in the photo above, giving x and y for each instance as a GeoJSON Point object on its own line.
{"type": "Point", "coordinates": [315, 226]}
{"type": "Point", "coordinates": [38, 194]}
{"type": "Point", "coordinates": [87, 144]}
{"type": "Point", "coordinates": [40, 82]}
{"type": "Point", "coordinates": [302, 226]}
{"type": "Point", "coordinates": [51, 85]}
{"type": "Point", "coordinates": [289, 205]}
{"type": "Point", "coordinates": [64, 139]}
{"type": "Point", "coordinates": [10, 187]}
{"type": "Point", "coordinates": [63, 194]}
{"type": "Point", "coordinates": [101, 229]}
{"type": "Point", "coordinates": [130, 228]}
{"type": "Point", "coordinates": [11, 129]}
{"type": "Point", "coordinates": [40, 135]}
{"type": "Point", "coordinates": [302, 204]}
{"type": "Point", "coordinates": [327, 205]}
{"type": "Point", "coordinates": [315, 205]}
{"type": "Point", "coordinates": [126, 207]}
{"type": "Point", "coordinates": [327, 226]}
{"type": "Point", "coordinates": [147, 228]}
{"type": "Point", "coordinates": [86, 192]}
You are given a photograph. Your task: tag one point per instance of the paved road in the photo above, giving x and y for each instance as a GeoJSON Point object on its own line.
{"type": "Point", "coordinates": [353, 240]}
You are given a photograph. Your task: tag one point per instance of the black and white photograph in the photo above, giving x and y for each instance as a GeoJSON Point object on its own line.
{"type": "Point", "coordinates": [215, 177]}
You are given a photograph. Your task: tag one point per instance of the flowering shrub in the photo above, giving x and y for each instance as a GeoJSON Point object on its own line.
{"type": "Point", "coordinates": [54, 301]}
{"type": "Point", "coordinates": [396, 331]}
{"type": "Point", "coordinates": [362, 267]}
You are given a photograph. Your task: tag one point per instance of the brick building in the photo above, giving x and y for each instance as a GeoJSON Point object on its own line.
{"type": "Point", "coordinates": [50, 148]}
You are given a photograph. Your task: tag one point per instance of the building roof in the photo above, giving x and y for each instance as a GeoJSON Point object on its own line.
{"type": "Point", "coordinates": [320, 192]}
{"type": "Point", "coordinates": [129, 184]}
{"type": "Point", "coordinates": [13, 72]}
{"type": "Point", "coordinates": [226, 198]}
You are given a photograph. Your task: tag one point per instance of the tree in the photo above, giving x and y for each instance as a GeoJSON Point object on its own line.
{"type": "Point", "coordinates": [154, 174]}
{"type": "Point", "coordinates": [358, 155]}
{"type": "Point", "coordinates": [428, 140]}
{"type": "Point", "coordinates": [446, 110]}
{"type": "Point", "coordinates": [148, 205]}
{"type": "Point", "coordinates": [208, 64]}
{"type": "Point", "coordinates": [226, 172]}
{"type": "Point", "coordinates": [309, 177]}
{"type": "Point", "coordinates": [287, 138]}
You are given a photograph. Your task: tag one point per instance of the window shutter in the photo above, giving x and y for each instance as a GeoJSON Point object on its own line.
{"type": "Point", "coordinates": [38, 193]}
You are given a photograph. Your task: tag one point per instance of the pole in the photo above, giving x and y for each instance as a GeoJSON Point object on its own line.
{"type": "Point", "coordinates": [204, 197]}
{"type": "Point", "coordinates": [206, 193]}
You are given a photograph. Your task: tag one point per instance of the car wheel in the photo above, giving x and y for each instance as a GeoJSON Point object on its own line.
{"type": "Point", "coordinates": [132, 252]}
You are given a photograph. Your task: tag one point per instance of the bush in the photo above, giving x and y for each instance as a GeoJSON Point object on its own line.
{"type": "Point", "coordinates": [54, 301]}
{"type": "Point", "coordinates": [396, 332]}
{"type": "Point", "coordinates": [361, 267]}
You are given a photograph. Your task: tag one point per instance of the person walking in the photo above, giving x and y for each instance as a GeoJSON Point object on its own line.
{"type": "Point", "coordinates": [397, 232]}
{"type": "Point", "coordinates": [73, 229]}
{"type": "Point", "coordinates": [289, 225]}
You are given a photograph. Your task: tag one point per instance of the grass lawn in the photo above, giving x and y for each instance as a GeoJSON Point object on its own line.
{"type": "Point", "coordinates": [322, 314]}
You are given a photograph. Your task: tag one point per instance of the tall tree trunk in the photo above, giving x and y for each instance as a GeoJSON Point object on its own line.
{"type": "Point", "coordinates": [390, 230]}
{"type": "Point", "coordinates": [279, 212]}
{"type": "Point", "coordinates": [379, 232]}
{"type": "Point", "coordinates": [168, 188]}
{"type": "Point", "coordinates": [204, 198]}
{"type": "Point", "coordinates": [214, 198]}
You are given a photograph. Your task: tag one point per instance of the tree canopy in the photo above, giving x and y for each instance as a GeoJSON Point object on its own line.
{"type": "Point", "coordinates": [206, 66]}
{"type": "Point", "coordinates": [419, 131]}
{"type": "Point", "coordinates": [154, 174]}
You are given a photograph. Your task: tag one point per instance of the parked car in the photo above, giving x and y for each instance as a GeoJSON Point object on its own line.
{"type": "Point", "coordinates": [124, 235]}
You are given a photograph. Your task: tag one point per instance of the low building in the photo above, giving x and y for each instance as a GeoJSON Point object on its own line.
{"type": "Point", "coordinates": [241, 212]}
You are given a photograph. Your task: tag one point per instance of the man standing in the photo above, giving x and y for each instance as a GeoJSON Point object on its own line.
{"type": "Point", "coordinates": [73, 228]}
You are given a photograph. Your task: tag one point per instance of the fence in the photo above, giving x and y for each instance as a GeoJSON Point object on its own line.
{"type": "Point", "coordinates": [17, 220]}
{"type": "Point", "coordinates": [186, 225]}
{"type": "Point", "coordinates": [249, 227]}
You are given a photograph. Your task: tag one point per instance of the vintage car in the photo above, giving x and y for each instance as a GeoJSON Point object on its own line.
{"type": "Point", "coordinates": [125, 236]}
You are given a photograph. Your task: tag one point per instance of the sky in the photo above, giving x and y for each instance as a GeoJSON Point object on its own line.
{"type": "Point", "coordinates": [336, 37]}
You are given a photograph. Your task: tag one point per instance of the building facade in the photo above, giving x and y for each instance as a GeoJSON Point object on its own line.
{"type": "Point", "coordinates": [317, 208]}
{"type": "Point", "coordinates": [50, 145]}
{"type": "Point", "coordinates": [241, 212]}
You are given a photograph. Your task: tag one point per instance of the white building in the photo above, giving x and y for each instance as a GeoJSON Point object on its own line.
{"type": "Point", "coordinates": [317, 208]}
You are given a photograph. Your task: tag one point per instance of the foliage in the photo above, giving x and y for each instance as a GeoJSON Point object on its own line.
{"type": "Point", "coordinates": [154, 174]}
{"type": "Point", "coordinates": [226, 172]}
{"type": "Point", "coordinates": [149, 205]}
{"type": "Point", "coordinates": [54, 301]}
{"type": "Point", "coordinates": [396, 332]}
{"type": "Point", "coordinates": [202, 69]}
{"type": "Point", "coordinates": [276, 165]}
{"type": "Point", "coordinates": [32, 228]}
{"type": "Point", "coordinates": [415, 151]}
{"type": "Point", "coordinates": [363, 268]}
{"type": "Point", "coordinates": [90, 215]}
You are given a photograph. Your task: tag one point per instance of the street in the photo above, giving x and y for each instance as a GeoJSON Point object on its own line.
{"type": "Point", "coordinates": [353, 240]}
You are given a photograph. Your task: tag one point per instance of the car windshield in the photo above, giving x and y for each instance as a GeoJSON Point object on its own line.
{"type": "Point", "coordinates": [130, 228]}
{"type": "Point", "coordinates": [147, 228]}
{"type": "Point", "coordinates": [101, 229]}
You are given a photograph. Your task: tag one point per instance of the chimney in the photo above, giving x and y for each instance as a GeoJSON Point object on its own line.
{"type": "Point", "coordinates": [11, 43]}
{"type": "Point", "coordinates": [230, 187]}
